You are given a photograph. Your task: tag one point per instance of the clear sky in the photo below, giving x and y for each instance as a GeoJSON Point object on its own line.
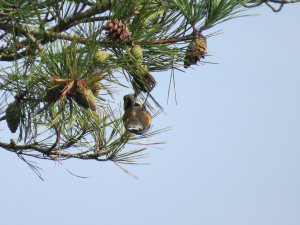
{"type": "Point", "coordinates": [231, 158]}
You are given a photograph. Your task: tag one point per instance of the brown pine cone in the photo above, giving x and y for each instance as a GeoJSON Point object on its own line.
{"type": "Point", "coordinates": [195, 51]}
{"type": "Point", "coordinates": [117, 30]}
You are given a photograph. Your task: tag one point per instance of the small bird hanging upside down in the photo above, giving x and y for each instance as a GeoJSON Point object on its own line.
{"type": "Point", "coordinates": [137, 119]}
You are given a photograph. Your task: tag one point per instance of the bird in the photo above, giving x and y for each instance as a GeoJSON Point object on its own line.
{"type": "Point", "coordinates": [137, 119]}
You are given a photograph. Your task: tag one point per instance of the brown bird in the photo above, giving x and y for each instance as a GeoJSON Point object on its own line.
{"type": "Point", "coordinates": [137, 119]}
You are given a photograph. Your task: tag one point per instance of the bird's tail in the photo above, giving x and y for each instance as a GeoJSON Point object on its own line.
{"type": "Point", "coordinates": [136, 126]}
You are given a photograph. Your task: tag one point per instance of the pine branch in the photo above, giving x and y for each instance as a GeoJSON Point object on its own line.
{"type": "Point", "coordinates": [66, 58]}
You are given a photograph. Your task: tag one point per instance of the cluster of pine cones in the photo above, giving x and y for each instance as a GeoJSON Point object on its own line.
{"type": "Point", "coordinates": [141, 79]}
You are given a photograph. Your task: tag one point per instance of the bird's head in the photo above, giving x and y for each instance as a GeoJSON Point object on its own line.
{"type": "Point", "coordinates": [130, 101]}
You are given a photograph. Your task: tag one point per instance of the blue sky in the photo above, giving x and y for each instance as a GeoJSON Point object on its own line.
{"type": "Point", "coordinates": [231, 158]}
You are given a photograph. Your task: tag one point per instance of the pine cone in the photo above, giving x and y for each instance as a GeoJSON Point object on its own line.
{"type": "Point", "coordinates": [142, 81]}
{"type": "Point", "coordinates": [101, 56]}
{"type": "Point", "coordinates": [15, 5]}
{"type": "Point", "coordinates": [117, 30]}
{"type": "Point", "coordinates": [96, 90]}
{"type": "Point", "coordinates": [52, 95]}
{"type": "Point", "coordinates": [82, 99]}
{"type": "Point", "coordinates": [137, 52]}
{"type": "Point", "coordinates": [13, 116]}
{"type": "Point", "coordinates": [195, 51]}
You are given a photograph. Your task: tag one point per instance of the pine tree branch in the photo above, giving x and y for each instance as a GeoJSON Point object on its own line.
{"type": "Point", "coordinates": [49, 34]}
{"type": "Point", "coordinates": [39, 33]}
{"type": "Point", "coordinates": [169, 41]}
{"type": "Point", "coordinates": [68, 69]}
{"type": "Point", "coordinates": [79, 17]}
{"type": "Point", "coordinates": [12, 147]}
{"type": "Point", "coordinates": [276, 1]}
{"type": "Point", "coordinates": [255, 3]}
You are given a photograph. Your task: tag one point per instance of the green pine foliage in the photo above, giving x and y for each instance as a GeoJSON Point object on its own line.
{"type": "Point", "coordinates": [65, 57]}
